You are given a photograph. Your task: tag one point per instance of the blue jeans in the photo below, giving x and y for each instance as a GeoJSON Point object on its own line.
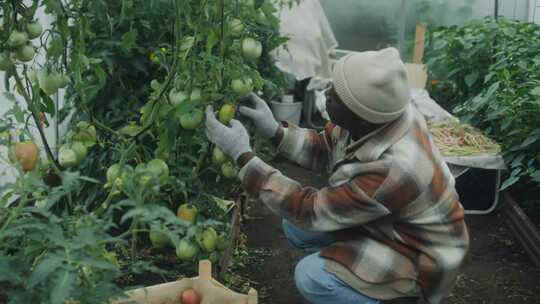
{"type": "Point", "coordinates": [317, 285]}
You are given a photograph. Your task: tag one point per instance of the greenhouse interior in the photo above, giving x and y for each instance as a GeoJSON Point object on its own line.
{"type": "Point", "coordinates": [269, 151]}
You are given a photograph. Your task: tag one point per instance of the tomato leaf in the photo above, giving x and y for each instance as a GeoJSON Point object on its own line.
{"type": "Point", "coordinates": [129, 41]}
{"type": "Point", "coordinates": [45, 268]}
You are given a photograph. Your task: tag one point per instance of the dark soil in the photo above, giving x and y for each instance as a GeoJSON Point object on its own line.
{"type": "Point", "coordinates": [532, 209]}
{"type": "Point", "coordinates": [496, 269]}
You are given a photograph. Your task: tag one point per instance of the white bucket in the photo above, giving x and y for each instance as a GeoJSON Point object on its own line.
{"type": "Point", "coordinates": [289, 112]}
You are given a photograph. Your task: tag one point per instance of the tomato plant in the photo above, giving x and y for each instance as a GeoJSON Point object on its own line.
{"type": "Point", "coordinates": [136, 76]}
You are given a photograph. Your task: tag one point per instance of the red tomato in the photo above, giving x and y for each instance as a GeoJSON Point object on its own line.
{"type": "Point", "coordinates": [190, 296]}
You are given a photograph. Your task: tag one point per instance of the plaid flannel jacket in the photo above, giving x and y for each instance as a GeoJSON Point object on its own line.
{"type": "Point", "coordinates": [391, 202]}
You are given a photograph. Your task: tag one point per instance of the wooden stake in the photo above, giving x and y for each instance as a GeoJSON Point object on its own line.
{"type": "Point", "coordinates": [419, 42]}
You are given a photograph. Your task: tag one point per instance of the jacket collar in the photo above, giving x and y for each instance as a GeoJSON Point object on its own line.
{"type": "Point", "coordinates": [373, 145]}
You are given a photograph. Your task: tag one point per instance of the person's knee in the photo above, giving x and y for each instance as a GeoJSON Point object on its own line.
{"type": "Point", "coordinates": [319, 286]}
{"type": "Point", "coordinates": [310, 277]}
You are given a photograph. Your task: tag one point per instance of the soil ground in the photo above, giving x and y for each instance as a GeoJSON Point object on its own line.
{"type": "Point", "coordinates": [496, 270]}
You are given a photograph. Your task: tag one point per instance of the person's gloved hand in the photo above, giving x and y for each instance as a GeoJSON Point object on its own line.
{"type": "Point", "coordinates": [233, 140]}
{"type": "Point", "coordinates": [261, 115]}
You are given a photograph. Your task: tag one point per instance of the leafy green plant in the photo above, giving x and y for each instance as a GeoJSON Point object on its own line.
{"type": "Point", "coordinates": [137, 75]}
{"type": "Point", "coordinates": [488, 72]}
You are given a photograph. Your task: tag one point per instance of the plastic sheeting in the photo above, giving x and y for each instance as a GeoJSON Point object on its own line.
{"type": "Point", "coordinates": [307, 53]}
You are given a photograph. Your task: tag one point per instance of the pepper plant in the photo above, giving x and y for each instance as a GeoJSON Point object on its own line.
{"type": "Point", "coordinates": [487, 71]}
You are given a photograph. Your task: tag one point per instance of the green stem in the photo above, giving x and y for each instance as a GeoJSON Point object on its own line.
{"type": "Point", "coordinates": [15, 213]}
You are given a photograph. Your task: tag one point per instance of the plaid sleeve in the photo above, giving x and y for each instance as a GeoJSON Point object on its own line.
{"type": "Point", "coordinates": [327, 209]}
{"type": "Point", "coordinates": [306, 147]}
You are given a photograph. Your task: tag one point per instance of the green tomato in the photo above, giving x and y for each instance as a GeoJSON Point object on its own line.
{"type": "Point", "coordinates": [5, 61]}
{"type": "Point", "coordinates": [242, 86]}
{"type": "Point", "coordinates": [218, 157]}
{"type": "Point", "coordinates": [196, 95]}
{"type": "Point", "coordinates": [131, 129]}
{"type": "Point", "coordinates": [249, 3]}
{"type": "Point", "coordinates": [110, 256]}
{"type": "Point", "coordinates": [63, 81]}
{"type": "Point", "coordinates": [158, 239]}
{"type": "Point", "coordinates": [80, 149]}
{"type": "Point", "coordinates": [159, 168]}
{"type": "Point", "coordinates": [187, 43]}
{"type": "Point", "coordinates": [155, 85]}
{"type": "Point", "coordinates": [222, 242]}
{"type": "Point", "coordinates": [236, 27]}
{"type": "Point", "coordinates": [229, 170]}
{"type": "Point", "coordinates": [191, 121]}
{"type": "Point", "coordinates": [41, 204]}
{"type": "Point", "coordinates": [144, 177]}
{"type": "Point", "coordinates": [48, 82]}
{"type": "Point", "coordinates": [207, 239]}
{"type": "Point", "coordinates": [116, 174]}
{"type": "Point", "coordinates": [17, 39]}
{"type": "Point", "coordinates": [32, 75]}
{"type": "Point", "coordinates": [113, 173]}
{"type": "Point", "coordinates": [86, 133]}
{"type": "Point", "coordinates": [187, 250]}
{"type": "Point", "coordinates": [213, 257]}
{"type": "Point", "coordinates": [26, 53]}
{"type": "Point", "coordinates": [261, 18]}
{"type": "Point", "coordinates": [67, 157]}
{"type": "Point", "coordinates": [34, 29]}
{"type": "Point", "coordinates": [251, 49]}
{"type": "Point", "coordinates": [177, 97]}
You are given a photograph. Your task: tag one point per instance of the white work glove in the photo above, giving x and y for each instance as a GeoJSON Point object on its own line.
{"type": "Point", "coordinates": [261, 116]}
{"type": "Point", "coordinates": [233, 140]}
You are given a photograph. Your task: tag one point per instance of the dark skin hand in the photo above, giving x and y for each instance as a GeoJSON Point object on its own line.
{"type": "Point", "coordinates": [339, 114]}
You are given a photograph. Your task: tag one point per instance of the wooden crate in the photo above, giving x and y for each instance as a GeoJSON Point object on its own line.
{"type": "Point", "coordinates": [211, 291]}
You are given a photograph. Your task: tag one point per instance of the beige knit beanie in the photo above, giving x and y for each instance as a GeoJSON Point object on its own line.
{"type": "Point", "coordinates": [373, 84]}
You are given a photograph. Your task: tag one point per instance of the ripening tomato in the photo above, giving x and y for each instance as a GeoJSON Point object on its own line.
{"type": "Point", "coordinates": [188, 213]}
{"type": "Point", "coordinates": [26, 153]}
{"type": "Point", "coordinates": [190, 296]}
{"type": "Point", "coordinates": [226, 113]}
{"type": "Point", "coordinates": [218, 157]}
{"type": "Point", "coordinates": [207, 239]}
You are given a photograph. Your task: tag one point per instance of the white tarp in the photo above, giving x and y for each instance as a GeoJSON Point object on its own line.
{"type": "Point", "coordinates": [307, 53]}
